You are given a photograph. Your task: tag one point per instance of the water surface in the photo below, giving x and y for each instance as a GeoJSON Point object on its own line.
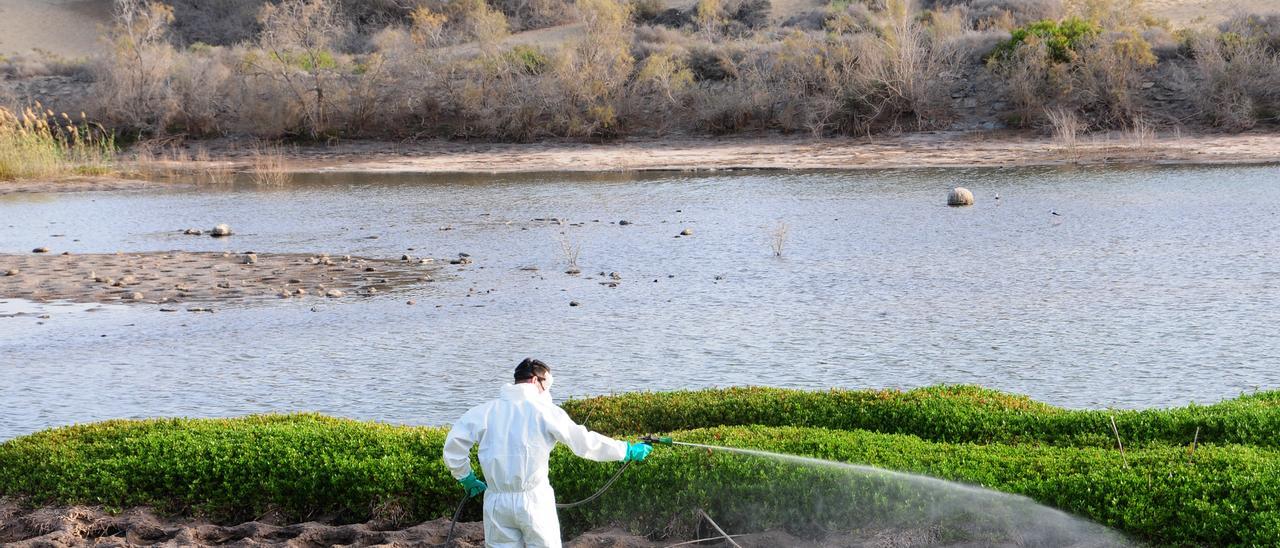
{"type": "Point", "coordinates": [1150, 287]}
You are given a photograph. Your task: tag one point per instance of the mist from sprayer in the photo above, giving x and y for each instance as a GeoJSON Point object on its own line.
{"type": "Point", "coordinates": [838, 504]}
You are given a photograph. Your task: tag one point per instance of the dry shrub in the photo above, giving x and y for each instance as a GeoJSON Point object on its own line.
{"type": "Point", "coordinates": [131, 89]}
{"type": "Point", "coordinates": [1235, 76]}
{"type": "Point", "coordinates": [534, 14]}
{"type": "Point", "coordinates": [297, 53]}
{"type": "Point", "coordinates": [1097, 76]}
{"type": "Point", "coordinates": [198, 82]}
{"type": "Point", "coordinates": [902, 76]}
{"type": "Point", "coordinates": [1108, 75]}
{"type": "Point", "coordinates": [590, 77]}
{"type": "Point", "coordinates": [1003, 14]}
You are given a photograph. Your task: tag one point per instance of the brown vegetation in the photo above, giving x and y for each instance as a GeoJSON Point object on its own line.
{"type": "Point", "coordinates": [320, 70]}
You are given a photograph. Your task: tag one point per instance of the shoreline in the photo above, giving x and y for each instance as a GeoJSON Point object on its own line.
{"type": "Point", "coordinates": [957, 149]}
{"type": "Point", "coordinates": [954, 149]}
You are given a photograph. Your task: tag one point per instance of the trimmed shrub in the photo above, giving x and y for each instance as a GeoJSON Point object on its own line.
{"type": "Point", "coordinates": [305, 465]}
{"type": "Point", "coordinates": [952, 414]}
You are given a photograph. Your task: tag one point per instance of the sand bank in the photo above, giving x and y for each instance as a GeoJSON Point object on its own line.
{"type": "Point", "coordinates": [177, 278]}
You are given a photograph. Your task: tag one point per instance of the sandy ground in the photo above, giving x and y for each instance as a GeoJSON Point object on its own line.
{"type": "Point", "coordinates": [91, 526]}
{"type": "Point", "coordinates": [73, 184]}
{"type": "Point", "coordinates": [1193, 13]}
{"type": "Point", "coordinates": [176, 280]}
{"type": "Point", "coordinates": [70, 28]}
{"type": "Point", "coordinates": [937, 149]}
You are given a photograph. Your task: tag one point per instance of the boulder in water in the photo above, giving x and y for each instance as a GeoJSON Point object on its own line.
{"type": "Point", "coordinates": [220, 231]}
{"type": "Point", "coordinates": [960, 196]}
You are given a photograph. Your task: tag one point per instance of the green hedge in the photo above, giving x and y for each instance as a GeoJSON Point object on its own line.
{"type": "Point", "coordinates": [311, 465]}
{"type": "Point", "coordinates": [234, 469]}
{"type": "Point", "coordinates": [939, 413]}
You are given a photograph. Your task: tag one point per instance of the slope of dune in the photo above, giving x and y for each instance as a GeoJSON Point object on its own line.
{"type": "Point", "coordinates": [70, 28]}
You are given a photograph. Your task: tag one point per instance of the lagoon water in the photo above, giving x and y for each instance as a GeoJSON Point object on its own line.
{"type": "Point", "coordinates": [1153, 286]}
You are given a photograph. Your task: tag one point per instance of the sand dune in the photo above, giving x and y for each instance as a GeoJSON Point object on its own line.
{"type": "Point", "coordinates": [71, 28]}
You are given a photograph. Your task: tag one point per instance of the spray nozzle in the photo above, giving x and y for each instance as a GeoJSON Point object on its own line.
{"type": "Point", "coordinates": [655, 440]}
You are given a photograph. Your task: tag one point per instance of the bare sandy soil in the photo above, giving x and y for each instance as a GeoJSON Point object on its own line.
{"type": "Point", "coordinates": [178, 279]}
{"type": "Point", "coordinates": [91, 526]}
{"type": "Point", "coordinates": [70, 28]}
{"type": "Point", "coordinates": [938, 149]}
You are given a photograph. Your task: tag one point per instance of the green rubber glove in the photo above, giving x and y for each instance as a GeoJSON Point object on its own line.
{"type": "Point", "coordinates": [472, 485]}
{"type": "Point", "coordinates": [636, 452]}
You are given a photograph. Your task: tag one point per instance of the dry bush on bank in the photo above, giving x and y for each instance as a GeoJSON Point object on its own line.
{"type": "Point", "coordinates": [131, 88]}
{"type": "Point", "coordinates": [1236, 78]}
{"type": "Point", "coordinates": [903, 76]}
{"type": "Point", "coordinates": [297, 44]}
{"type": "Point", "coordinates": [1070, 65]}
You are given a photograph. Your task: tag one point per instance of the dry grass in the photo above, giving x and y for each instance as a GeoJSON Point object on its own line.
{"type": "Point", "coordinates": [778, 238]}
{"type": "Point", "coordinates": [269, 168]}
{"type": "Point", "coordinates": [211, 171]}
{"type": "Point", "coordinates": [1141, 134]}
{"type": "Point", "coordinates": [570, 250]}
{"type": "Point", "coordinates": [36, 143]}
{"type": "Point", "coordinates": [1066, 128]}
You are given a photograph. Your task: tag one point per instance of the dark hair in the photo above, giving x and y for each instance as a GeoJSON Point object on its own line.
{"type": "Point", "coordinates": [531, 368]}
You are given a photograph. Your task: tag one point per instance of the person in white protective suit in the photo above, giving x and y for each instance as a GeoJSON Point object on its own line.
{"type": "Point", "coordinates": [516, 433]}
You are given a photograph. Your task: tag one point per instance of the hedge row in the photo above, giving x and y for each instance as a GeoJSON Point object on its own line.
{"type": "Point", "coordinates": [939, 413]}
{"type": "Point", "coordinates": [309, 465]}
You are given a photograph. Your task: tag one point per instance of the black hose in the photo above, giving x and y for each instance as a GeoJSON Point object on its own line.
{"type": "Point", "coordinates": [448, 539]}
{"type": "Point", "coordinates": [597, 494]}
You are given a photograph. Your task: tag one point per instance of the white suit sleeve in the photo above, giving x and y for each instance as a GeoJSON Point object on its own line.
{"type": "Point", "coordinates": [457, 445]}
{"type": "Point", "coordinates": [583, 442]}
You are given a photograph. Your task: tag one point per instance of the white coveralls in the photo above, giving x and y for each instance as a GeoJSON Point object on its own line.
{"type": "Point", "coordinates": [516, 433]}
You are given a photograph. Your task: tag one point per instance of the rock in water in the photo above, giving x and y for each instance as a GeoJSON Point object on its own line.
{"type": "Point", "coordinates": [960, 196]}
{"type": "Point", "coordinates": [686, 232]}
{"type": "Point", "coordinates": [220, 231]}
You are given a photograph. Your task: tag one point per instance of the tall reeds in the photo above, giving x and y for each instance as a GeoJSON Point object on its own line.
{"type": "Point", "coordinates": [36, 143]}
